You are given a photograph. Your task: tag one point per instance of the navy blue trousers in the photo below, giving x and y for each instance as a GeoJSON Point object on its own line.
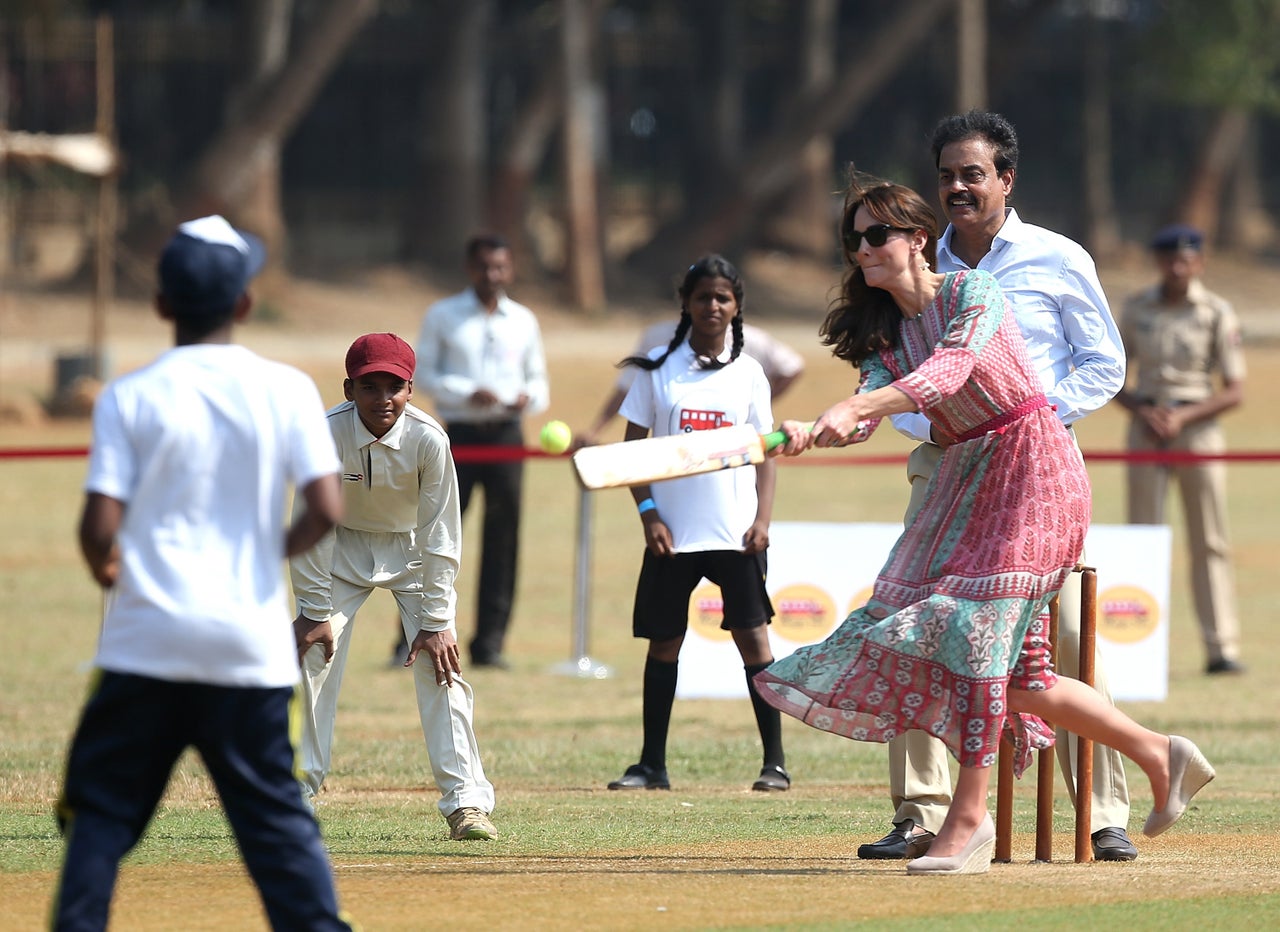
{"type": "Point", "coordinates": [130, 735]}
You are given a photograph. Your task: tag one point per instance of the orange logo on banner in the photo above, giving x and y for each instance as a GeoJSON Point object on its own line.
{"type": "Point", "coordinates": [860, 599]}
{"type": "Point", "coordinates": [803, 613]}
{"type": "Point", "coordinates": [1127, 614]}
{"type": "Point", "coordinates": [706, 611]}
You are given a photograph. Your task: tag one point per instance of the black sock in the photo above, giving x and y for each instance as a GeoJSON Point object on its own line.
{"type": "Point", "coordinates": [768, 720]}
{"type": "Point", "coordinates": [659, 696]}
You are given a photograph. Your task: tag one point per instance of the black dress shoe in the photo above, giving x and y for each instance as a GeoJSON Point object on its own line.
{"type": "Point", "coordinates": [642, 777]}
{"type": "Point", "coordinates": [1224, 665]}
{"type": "Point", "coordinates": [1113, 844]}
{"type": "Point", "coordinates": [903, 843]}
{"type": "Point", "coordinates": [492, 663]}
{"type": "Point", "coordinates": [772, 778]}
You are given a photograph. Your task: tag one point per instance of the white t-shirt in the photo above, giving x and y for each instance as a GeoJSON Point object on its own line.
{"type": "Point", "coordinates": [201, 446]}
{"type": "Point", "coordinates": [712, 511]}
{"type": "Point", "coordinates": [776, 358]}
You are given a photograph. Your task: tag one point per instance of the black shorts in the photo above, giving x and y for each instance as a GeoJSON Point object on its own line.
{"type": "Point", "coordinates": [666, 583]}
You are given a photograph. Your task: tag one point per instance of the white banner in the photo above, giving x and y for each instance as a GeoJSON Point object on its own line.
{"type": "Point", "coordinates": [820, 572]}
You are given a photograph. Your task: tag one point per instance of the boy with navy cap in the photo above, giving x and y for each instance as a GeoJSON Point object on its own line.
{"type": "Point", "coordinates": [402, 531]}
{"type": "Point", "coordinates": [183, 526]}
{"type": "Point", "coordinates": [1187, 368]}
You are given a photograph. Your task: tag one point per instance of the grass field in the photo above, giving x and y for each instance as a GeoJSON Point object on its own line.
{"type": "Point", "coordinates": [708, 855]}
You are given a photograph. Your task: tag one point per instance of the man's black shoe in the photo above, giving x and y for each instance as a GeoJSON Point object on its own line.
{"type": "Point", "coordinates": [772, 778]}
{"type": "Point", "coordinates": [492, 663]}
{"type": "Point", "coordinates": [903, 843]}
{"type": "Point", "coordinates": [1113, 844]}
{"type": "Point", "coordinates": [1224, 665]}
{"type": "Point", "coordinates": [642, 777]}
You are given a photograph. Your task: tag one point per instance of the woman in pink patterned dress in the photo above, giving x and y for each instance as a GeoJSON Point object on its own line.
{"type": "Point", "coordinates": [952, 640]}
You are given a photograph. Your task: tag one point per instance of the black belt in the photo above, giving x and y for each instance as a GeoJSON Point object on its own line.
{"type": "Point", "coordinates": [484, 427]}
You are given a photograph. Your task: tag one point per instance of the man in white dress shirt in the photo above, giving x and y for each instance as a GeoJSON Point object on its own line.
{"type": "Point", "coordinates": [480, 359]}
{"type": "Point", "coordinates": [1051, 284]}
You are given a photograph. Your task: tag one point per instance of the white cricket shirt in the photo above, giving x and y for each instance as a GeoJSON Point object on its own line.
{"type": "Point", "coordinates": [400, 498]}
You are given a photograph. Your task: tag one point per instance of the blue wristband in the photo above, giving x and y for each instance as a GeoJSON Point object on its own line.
{"type": "Point", "coordinates": [647, 505]}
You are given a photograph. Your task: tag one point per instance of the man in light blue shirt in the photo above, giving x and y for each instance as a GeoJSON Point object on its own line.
{"type": "Point", "coordinates": [1051, 284]}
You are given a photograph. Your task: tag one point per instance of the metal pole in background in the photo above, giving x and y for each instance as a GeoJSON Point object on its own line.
{"type": "Point", "coordinates": [105, 255]}
{"type": "Point", "coordinates": [580, 663]}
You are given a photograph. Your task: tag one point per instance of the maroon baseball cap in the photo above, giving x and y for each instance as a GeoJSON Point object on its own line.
{"type": "Point", "coordinates": [381, 352]}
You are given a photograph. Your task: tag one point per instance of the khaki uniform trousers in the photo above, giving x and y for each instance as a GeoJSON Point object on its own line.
{"type": "Point", "coordinates": [919, 776]}
{"type": "Point", "coordinates": [1203, 487]}
{"type": "Point", "coordinates": [362, 562]}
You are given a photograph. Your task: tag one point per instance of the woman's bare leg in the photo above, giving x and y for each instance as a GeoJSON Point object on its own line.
{"type": "Point", "coordinates": [968, 808]}
{"type": "Point", "coordinates": [1082, 711]}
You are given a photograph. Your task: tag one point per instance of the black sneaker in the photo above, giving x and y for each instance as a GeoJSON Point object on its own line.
{"type": "Point", "coordinates": [1224, 665]}
{"type": "Point", "coordinates": [642, 777]}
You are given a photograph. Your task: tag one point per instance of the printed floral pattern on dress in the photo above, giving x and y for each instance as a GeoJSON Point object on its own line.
{"type": "Point", "coordinates": [981, 638]}
{"type": "Point", "coordinates": [954, 617]}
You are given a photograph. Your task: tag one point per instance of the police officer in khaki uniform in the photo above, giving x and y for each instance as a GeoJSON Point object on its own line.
{"type": "Point", "coordinates": [1183, 344]}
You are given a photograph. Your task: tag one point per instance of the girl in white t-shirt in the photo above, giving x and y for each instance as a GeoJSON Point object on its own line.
{"type": "Point", "coordinates": [714, 525]}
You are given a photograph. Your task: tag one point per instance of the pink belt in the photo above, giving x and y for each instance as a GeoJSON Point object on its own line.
{"type": "Point", "coordinates": [998, 423]}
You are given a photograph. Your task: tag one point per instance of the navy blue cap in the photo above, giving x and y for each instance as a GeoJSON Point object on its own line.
{"type": "Point", "coordinates": [1177, 237]}
{"type": "Point", "coordinates": [207, 265]}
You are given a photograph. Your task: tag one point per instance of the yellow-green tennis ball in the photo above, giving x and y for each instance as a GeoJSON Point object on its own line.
{"type": "Point", "coordinates": [555, 437]}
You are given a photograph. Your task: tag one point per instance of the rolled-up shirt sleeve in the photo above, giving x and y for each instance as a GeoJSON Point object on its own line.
{"type": "Point", "coordinates": [1097, 350]}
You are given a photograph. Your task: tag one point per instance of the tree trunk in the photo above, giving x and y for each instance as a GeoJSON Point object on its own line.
{"type": "Point", "coordinates": [1201, 206]}
{"type": "Point", "coordinates": [1102, 231]}
{"type": "Point", "coordinates": [584, 260]}
{"type": "Point", "coordinates": [776, 160]}
{"type": "Point", "coordinates": [1250, 227]}
{"type": "Point", "coordinates": [971, 55]}
{"type": "Point", "coordinates": [225, 172]}
{"type": "Point", "coordinates": [521, 156]}
{"type": "Point", "coordinates": [453, 138]}
{"type": "Point", "coordinates": [803, 222]}
{"type": "Point", "coordinates": [266, 25]}
{"type": "Point", "coordinates": [713, 106]}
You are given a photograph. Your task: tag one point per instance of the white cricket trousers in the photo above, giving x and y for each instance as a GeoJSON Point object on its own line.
{"type": "Point", "coordinates": [446, 711]}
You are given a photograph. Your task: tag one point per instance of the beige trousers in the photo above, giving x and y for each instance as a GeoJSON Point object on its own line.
{"type": "Point", "coordinates": [919, 776]}
{"type": "Point", "coordinates": [362, 562]}
{"type": "Point", "coordinates": [1203, 487]}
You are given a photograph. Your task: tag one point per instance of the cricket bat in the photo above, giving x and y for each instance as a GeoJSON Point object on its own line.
{"type": "Point", "coordinates": [637, 462]}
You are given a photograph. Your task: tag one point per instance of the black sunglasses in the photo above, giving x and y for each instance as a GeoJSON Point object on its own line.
{"type": "Point", "coordinates": [876, 235]}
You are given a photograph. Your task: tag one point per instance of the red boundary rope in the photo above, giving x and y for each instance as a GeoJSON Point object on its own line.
{"type": "Point", "coordinates": [507, 454]}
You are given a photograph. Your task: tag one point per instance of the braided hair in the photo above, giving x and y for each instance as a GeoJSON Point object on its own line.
{"type": "Point", "coordinates": [709, 266]}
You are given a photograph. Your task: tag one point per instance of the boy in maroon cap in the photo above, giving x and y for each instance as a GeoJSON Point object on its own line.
{"type": "Point", "coordinates": [402, 531]}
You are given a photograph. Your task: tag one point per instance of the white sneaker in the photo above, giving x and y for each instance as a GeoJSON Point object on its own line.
{"type": "Point", "coordinates": [470, 824]}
